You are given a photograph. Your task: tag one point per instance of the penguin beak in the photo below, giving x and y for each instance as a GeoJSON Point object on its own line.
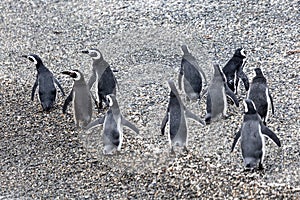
{"type": "Point", "coordinates": [85, 51]}
{"type": "Point", "coordinates": [70, 73]}
{"type": "Point", "coordinates": [24, 56]}
{"type": "Point", "coordinates": [66, 73]}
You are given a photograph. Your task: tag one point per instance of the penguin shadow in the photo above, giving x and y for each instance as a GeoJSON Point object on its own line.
{"type": "Point", "coordinates": [261, 171]}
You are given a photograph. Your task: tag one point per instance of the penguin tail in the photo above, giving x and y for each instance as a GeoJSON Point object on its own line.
{"type": "Point", "coordinates": [47, 106]}
{"type": "Point", "coordinates": [207, 119]}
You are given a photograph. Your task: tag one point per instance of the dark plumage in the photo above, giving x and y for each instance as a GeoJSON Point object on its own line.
{"type": "Point", "coordinates": [192, 75]}
{"type": "Point", "coordinates": [233, 70]}
{"type": "Point", "coordinates": [102, 75]}
{"type": "Point", "coordinates": [46, 82]}
{"type": "Point", "coordinates": [260, 95]}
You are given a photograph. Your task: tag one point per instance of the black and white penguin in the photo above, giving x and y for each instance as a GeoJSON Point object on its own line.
{"type": "Point", "coordinates": [233, 70]}
{"type": "Point", "coordinates": [176, 115]}
{"type": "Point", "coordinates": [216, 103]}
{"type": "Point", "coordinates": [81, 99]}
{"type": "Point", "coordinates": [46, 82]}
{"type": "Point", "coordinates": [102, 74]}
{"type": "Point", "coordinates": [252, 135]}
{"type": "Point", "coordinates": [259, 93]}
{"type": "Point", "coordinates": [192, 75]}
{"type": "Point", "coordinates": [113, 123]}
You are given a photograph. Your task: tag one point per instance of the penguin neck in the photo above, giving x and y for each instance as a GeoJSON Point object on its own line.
{"type": "Point", "coordinates": [114, 110]}
{"type": "Point", "coordinates": [97, 60]}
{"type": "Point", "coordinates": [260, 78]}
{"type": "Point", "coordinates": [250, 112]}
{"type": "Point", "coordinates": [254, 116]}
{"type": "Point", "coordinates": [40, 67]}
{"type": "Point", "coordinates": [79, 82]}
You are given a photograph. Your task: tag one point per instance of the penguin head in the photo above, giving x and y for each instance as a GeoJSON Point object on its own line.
{"type": "Point", "coordinates": [112, 100]}
{"type": "Point", "coordinates": [249, 106]}
{"type": "Point", "coordinates": [219, 73]}
{"type": "Point", "coordinates": [240, 52]}
{"type": "Point", "coordinates": [258, 72]}
{"type": "Point", "coordinates": [94, 53]}
{"type": "Point", "coordinates": [75, 74]}
{"type": "Point", "coordinates": [33, 58]}
{"type": "Point", "coordinates": [184, 49]}
{"type": "Point", "coordinates": [174, 91]}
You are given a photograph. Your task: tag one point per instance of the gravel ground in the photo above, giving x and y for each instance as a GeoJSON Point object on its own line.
{"type": "Point", "coordinates": [43, 156]}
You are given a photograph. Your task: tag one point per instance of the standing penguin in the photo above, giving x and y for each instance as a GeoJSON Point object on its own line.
{"type": "Point", "coordinates": [216, 103]}
{"type": "Point", "coordinates": [252, 135]}
{"type": "Point", "coordinates": [233, 70]}
{"type": "Point", "coordinates": [260, 95]}
{"type": "Point", "coordinates": [113, 123]}
{"type": "Point", "coordinates": [81, 97]}
{"type": "Point", "coordinates": [46, 82]}
{"type": "Point", "coordinates": [192, 75]}
{"type": "Point", "coordinates": [102, 75]}
{"type": "Point", "coordinates": [177, 114]}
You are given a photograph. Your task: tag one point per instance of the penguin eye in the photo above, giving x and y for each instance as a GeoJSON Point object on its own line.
{"type": "Point", "coordinates": [32, 59]}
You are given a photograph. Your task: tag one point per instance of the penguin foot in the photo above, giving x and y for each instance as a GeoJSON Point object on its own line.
{"type": "Point", "coordinates": [186, 149]}
{"type": "Point", "coordinates": [207, 119]}
{"type": "Point", "coordinates": [172, 152]}
{"type": "Point", "coordinates": [260, 166]}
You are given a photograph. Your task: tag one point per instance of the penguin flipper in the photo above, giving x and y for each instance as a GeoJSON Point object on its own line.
{"type": "Point", "coordinates": [180, 77]}
{"type": "Point", "coordinates": [231, 95]}
{"type": "Point", "coordinates": [191, 115]}
{"type": "Point", "coordinates": [164, 123]}
{"type": "Point", "coordinates": [235, 140]}
{"type": "Point", "coordinates": [203, 74]}
{"type": "Point", "coordinates": [271, 99]}
{"type": "Point", "coordinates": [97, 122]}
{"type": "Point", "coordinates": [34, 89]}
{"type": "Point", "coordinates": [116, 82]}
{"type": "Point", "coordinates": [270, 134]}
{"type": "Point", "coordinates": [67, 101]}
{"type": "Point", "coordinates": [244, 78]}
{"type": "Point", "coordinates": [208, 103]}
{"type": "Point", "coordinates": [207, 117]}
{"type": "Point", "coordinates": [94, 99]}
{"type": "Point", "coordinates": [129, 125]}
{"type": "Point", "coordinates": [58, 84]}
{"type": "Point", "coordinates": [92, 79]}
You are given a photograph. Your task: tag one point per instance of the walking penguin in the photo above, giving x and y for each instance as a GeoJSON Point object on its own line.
{"type": "Point", "coordinates": [46, 82]}
{"type": "Point", "coordinates": [259, 93]}
{"type": "Point", "coordinates": [176, 115]}
{"type": "Point", "coordinates": [216, 103]}
{"type": "Point", "coordinates": [113, 123]}
{"type": "Point", "coordinates": [252, 135]}
{"type": "Point", "coordinates": [233, 70]}
{"type": "Point", "coordinates": [102, 75]}
{"type": "Point", "coordinates": [81, 97]}
{"type": "Point", "coordinates": [192, 75]}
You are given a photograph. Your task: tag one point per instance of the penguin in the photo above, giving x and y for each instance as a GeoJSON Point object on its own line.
{"type": "Point", "coordinates": [46, 82]}
{"type": "Point", "coordinates": [103, 76]}
{"type": "Point", "coordinates": [176, 115]}
{"type": "Point", "coordinates": [113, 123]}
{"type": "Point", "coordinates": [81, 99]}
{"type": "Point", "coordinates": [252, 135]}
{"type": "Point", "coordinates": [233, 70]}
{"type": "Point", "coordinates": [192, 75]}
{"type": "Point", "coordinates": [259, 93]}
{"type": "Point", "coordinates": [216, 102]}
